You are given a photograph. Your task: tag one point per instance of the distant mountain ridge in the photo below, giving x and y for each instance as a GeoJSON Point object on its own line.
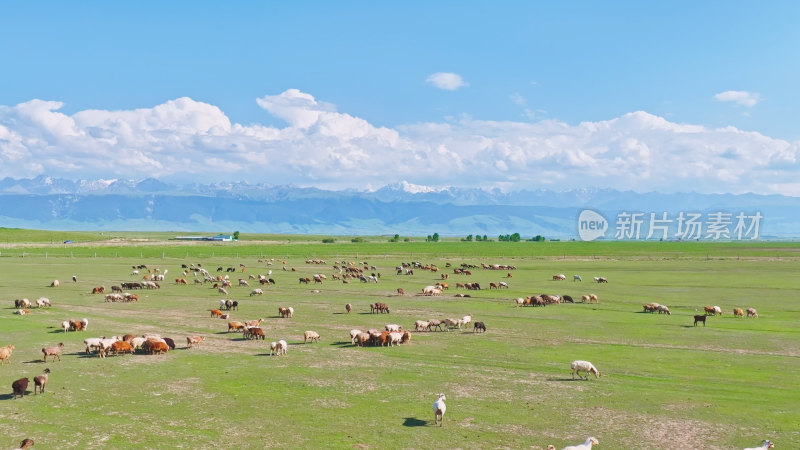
{"type": "Point", "coordinates": [403, 208]}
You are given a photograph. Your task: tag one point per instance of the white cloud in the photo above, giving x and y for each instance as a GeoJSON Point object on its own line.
{"type": "Point", "coordinates": [743, 98]}
{"type": "Point", "coordinates": [518, 99]}
{"type": "Point", "coordinates": [446, 80]}
{"type": "Point", "coordinates": [533, 114]}
{"type": "Point", "coordinates": [528, 113]}
{"type": "Point", "coordinates": [296, 108]}
{"type": "Point", "coordinates": [184, 140]}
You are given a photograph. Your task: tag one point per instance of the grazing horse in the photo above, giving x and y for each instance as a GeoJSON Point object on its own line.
{"type": "Point", "coordinates": [700, 318]}
{"type": "Point", "coordinates": [577, 278]}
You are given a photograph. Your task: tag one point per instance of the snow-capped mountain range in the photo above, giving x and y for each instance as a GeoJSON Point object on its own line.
{"type": "Point", "coordinates": [402, 208]}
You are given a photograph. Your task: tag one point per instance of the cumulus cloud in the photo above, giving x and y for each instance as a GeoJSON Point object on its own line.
{"type": "Point", "coordinates": [184, 140]}
{"type": "Point", "coordinates": [742, 98]}
{"type": "Point", "coordinates": [296, 108]}
{"type": "Point", "coordinates": [446, 80]}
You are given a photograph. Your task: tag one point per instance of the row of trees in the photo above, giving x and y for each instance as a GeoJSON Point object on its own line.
{"type": "Point", "coordinates": [477, 238]}
{"type": "Point", "coordinates": [435, 238]}
{"type": "Point", "coordinates": [503, 238]}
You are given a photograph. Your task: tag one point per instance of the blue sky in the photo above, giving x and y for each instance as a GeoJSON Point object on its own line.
{"type": "Point", "coordinates": [569, 94]}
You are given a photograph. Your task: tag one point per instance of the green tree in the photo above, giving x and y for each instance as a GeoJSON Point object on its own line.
{"type": "Point", "coordinates": [235, 235]}
{"type": "Point", "coordinates": [514, 237]}
{"type": "Point", "coordinates": [468, 238]}
{"type": "Point", "coordinates": [435, 237]}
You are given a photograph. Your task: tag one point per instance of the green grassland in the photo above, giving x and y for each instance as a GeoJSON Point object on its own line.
{"type": "Point", "coordinates": [664, 383]}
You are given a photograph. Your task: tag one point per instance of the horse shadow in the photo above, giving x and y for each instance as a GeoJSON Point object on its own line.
{"type": "Point", "coordinates": [10, 396]}
{"type": "Point", "coordinates": [341, 343]}
{"type": "Point", "coordinates": [565, 379]}
{"type": "Point", "coordinates": [414, 422]}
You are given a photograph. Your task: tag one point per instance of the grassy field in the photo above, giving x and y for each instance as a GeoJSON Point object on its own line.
{"type": "Point", "coordinates": [664, 383]}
